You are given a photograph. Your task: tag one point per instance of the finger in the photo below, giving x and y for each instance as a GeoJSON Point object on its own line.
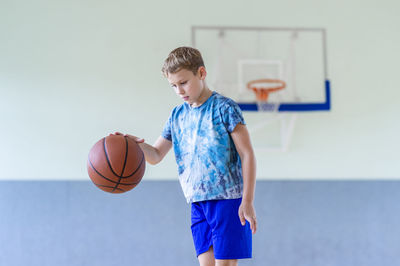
{"type": "Point", "coordinates": [254, 227]}
{"type": "Point", "coordinates": [242, 219]}
{"type": "Point", "coordinates": [136, 139]}
{"type": "Point", "coordinates": [139, 140]}
{"type": "Point", "coordinates": [253, 224]}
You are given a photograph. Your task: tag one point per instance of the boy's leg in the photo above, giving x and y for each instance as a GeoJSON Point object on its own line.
{"type": "Point", "coordinates": [226, 262]}
{"type": "Point", "coordinates": [202, 236]}
{"type": "Point", "coordinates": [207, 258]}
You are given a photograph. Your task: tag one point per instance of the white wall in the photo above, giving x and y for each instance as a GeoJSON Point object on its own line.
{"type": "Point", "coordinates": [73, 71]}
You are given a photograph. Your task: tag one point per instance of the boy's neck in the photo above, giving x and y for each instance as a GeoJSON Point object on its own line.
{"type": "Point", "coordinates": [205, 94]}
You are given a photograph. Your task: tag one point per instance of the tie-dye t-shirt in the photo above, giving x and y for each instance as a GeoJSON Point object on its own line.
{"type": "Point", "coordinates": [208, 163]}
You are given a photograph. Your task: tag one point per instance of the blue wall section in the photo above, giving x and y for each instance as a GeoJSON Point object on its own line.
{"type": "Point", "coordinates": [343, 223]}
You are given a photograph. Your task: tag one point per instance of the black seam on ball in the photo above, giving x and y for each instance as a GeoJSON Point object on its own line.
{"type": "Point", "coordinates": [112, 181]}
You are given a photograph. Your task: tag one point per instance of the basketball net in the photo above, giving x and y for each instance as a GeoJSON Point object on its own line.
{"type": "Point", "coordinates": [262, 93]}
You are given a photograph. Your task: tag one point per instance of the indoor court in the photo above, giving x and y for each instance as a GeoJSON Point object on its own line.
{"type": "Point", "coordinates": [318, 87]}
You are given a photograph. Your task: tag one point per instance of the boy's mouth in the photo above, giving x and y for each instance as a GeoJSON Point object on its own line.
{"type": "Point", "coordinates": [185, 98]}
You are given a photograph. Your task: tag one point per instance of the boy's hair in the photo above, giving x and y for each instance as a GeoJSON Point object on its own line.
{"type": "Point", "coordinates": [182, 58]}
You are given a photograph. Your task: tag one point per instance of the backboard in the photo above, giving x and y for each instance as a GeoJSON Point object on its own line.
{"type": "Point", "coordinates": [272, 73]}
{"type": "Point", "coordinates": [235, 56]}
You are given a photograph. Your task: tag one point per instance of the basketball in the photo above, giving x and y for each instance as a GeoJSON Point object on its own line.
{"type": "Point", "coordinates": [116, 164]}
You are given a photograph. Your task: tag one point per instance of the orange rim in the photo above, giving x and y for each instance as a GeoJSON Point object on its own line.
{"type": "Point", "coordinates": [263, 93]}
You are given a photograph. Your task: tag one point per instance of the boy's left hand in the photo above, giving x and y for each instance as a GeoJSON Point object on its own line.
{"type": "Point", "coordinates": [247, 212]}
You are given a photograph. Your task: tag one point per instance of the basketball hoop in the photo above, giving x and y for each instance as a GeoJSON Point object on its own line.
{"type": "Point", "coordinates": [262, 93]}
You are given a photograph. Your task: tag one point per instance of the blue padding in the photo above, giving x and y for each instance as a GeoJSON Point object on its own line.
{"type": "Point", "coordinates": [315, 222]}
{"type": "Point", "coordinates": [297, 107]}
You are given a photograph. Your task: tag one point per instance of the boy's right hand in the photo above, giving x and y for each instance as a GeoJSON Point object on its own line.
{"type": "Point", "coordinates": [134, 138]}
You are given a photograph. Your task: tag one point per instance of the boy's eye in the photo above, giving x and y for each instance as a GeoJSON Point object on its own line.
{"type": "Point", "coordinates": [181, 83]}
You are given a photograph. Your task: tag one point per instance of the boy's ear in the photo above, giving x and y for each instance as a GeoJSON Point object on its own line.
{"type": "Point", "coordinates": [202, 72]}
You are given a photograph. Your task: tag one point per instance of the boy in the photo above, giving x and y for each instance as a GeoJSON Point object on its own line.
{"type": "Point", "coordinates": [215, 160]}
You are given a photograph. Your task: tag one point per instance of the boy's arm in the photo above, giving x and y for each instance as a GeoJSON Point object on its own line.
{"type": "Point", "coordinates": [241, 138]}
{"type": "Point", "coordinates": [153, 154]}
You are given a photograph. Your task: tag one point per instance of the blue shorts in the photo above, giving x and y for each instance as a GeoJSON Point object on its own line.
{"type": "Point", "coordinates": [216, 223]}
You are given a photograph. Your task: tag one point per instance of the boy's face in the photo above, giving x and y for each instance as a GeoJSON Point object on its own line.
{"type": "Point", "coordinates": [187, 85]}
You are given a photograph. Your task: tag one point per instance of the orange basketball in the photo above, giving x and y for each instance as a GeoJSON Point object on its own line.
{"type": "Point", "coordinates": [116, 164]}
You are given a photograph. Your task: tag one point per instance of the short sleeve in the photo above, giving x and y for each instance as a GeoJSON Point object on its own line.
{"type": "Point", "coordinates": [231, 115]}
{"type": "Point", "coordinates": [166, 133]}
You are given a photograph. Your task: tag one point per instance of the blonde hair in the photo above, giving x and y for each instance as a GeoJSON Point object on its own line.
{"type": "Point", "coordinates": [182, 58]}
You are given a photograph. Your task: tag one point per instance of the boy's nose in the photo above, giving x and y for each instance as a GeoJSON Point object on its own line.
{"type": "Point", "coordinates": [180, 90]}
